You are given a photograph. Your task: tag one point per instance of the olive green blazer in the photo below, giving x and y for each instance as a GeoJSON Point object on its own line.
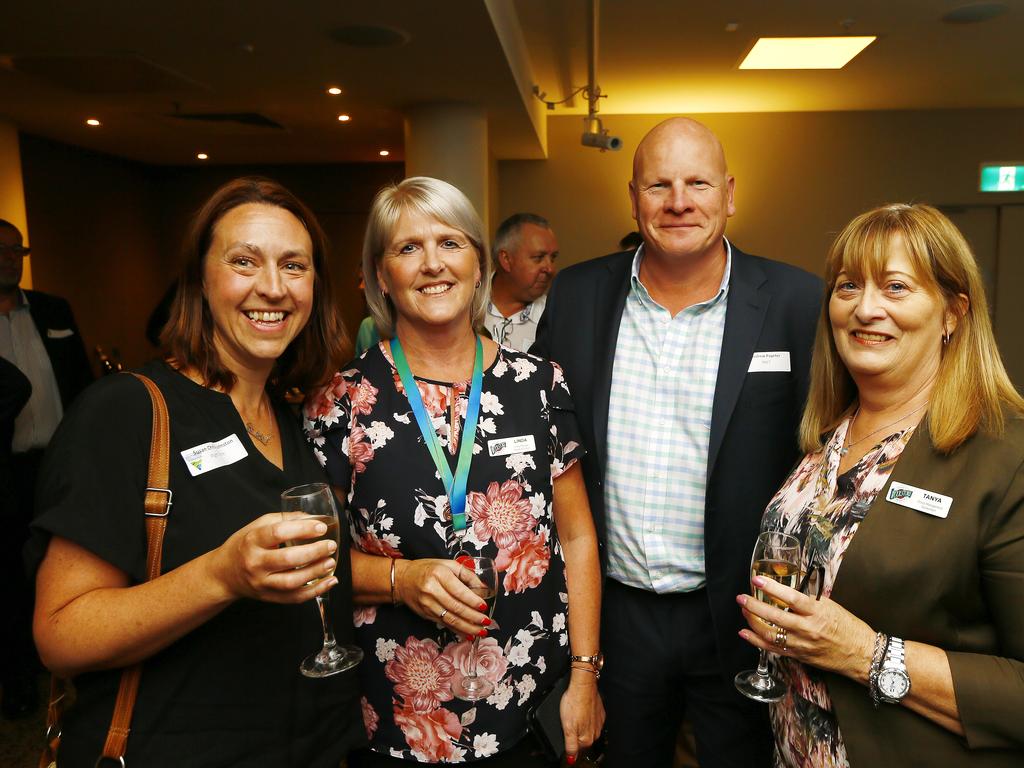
{"type": "Point", "coordinates": [956, 583]}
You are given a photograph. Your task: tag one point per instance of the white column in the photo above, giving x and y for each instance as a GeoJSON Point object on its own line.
{"type": "Point", "coordinates": [12, 189]}
{"type": "Point", "coordinates": [449, 142]}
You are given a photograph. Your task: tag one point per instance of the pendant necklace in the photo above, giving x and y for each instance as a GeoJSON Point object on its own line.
{"type": "Point", "coordinates": [251, 429]}
{"type": "Point", "coordinates": [849, 432]}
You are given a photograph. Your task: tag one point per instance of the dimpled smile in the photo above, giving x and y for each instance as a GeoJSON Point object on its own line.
{"type": "Point", "coordinates": [265, 317]}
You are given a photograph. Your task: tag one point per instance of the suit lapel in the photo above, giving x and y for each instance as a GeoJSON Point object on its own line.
{"type": "Point", "coordinates": [610, 302]}
{"type": "Point", "coordinates": [744, 317]}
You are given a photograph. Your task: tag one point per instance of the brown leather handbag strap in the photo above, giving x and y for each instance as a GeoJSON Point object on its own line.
{"type": "Point", "coordinates": [158, 506]}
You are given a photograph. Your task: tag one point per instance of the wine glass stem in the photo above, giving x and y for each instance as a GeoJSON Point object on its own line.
{"type": "Point", "coordinates": [472, 655]}
{"type": "Point", "coordinates": [323, 603]}
{"type": "Point", "coordinates": [762, 665]}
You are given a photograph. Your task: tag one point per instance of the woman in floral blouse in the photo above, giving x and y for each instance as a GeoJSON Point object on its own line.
{"type": "Point", "coordinates": [427, 276]}
{"type": "Point", "coordinates": [909, 650]}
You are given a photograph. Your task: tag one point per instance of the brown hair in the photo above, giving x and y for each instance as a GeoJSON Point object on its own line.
{"type": "Point", "coordinates": [187, 338]}
{"type": "Point", "coordinates": [972, 388]}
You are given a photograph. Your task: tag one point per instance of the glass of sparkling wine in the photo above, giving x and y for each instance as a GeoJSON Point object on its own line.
{"type": "Point", "coordinates": [317, 501]}
{"type": "Point", "coordinates": [484, 583]}
{"type": "Point", "coordinates": [776, 556]}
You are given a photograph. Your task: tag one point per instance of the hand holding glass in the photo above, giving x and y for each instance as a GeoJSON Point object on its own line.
{"type": "Point", "coordinates": [776, 556]}
{"type": "Point", "coordinates": [317, 500]}
{"type": "Point", "coordinates": [483, 581]}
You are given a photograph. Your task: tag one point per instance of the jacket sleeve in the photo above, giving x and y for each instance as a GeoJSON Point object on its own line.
{"type": "Point", "coordinates": [990, 689]}
{"type": "Point", "coordinates": [541, 346]}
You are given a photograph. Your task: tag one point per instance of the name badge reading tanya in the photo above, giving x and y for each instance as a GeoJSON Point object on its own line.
{"type": "Point", "coordinates": [919, 499]}
{"type": "Point", "coordinates": [209, 456]}
{"type": "Point", "coordinates": [505, 446]}
{"type": "Point", "coordinates": [769, 362]}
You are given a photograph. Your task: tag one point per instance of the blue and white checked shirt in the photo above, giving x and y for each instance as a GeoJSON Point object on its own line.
{"type": "Point", "coordinates": [659, 429]}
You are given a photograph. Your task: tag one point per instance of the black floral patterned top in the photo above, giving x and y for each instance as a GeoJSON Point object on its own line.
{"type": "Point", "coordinates": [364, 432]}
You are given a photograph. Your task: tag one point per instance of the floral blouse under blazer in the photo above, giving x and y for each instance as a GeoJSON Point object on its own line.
{"type": "Point", "coordinates": [365, 434]}
{"type": "Point", "coordinates": [822, 509]}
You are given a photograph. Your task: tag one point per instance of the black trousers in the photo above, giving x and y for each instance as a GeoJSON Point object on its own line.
{"type": "Point", "coordinates": [661, 662]}
{"type": "Point", "coordinates": [18, 657]}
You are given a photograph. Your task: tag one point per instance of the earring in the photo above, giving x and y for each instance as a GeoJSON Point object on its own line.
{"type": "Point", "coordinates": [945, 337]}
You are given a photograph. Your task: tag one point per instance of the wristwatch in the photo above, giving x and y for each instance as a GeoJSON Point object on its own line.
{"type": "Point", "coordinates": [893, 680]}
{"type": "Point", "coordinates": [596, 661]}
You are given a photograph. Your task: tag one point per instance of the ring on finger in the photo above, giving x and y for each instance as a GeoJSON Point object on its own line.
{"type": "Point", "coordinates": [442, 614]}
{"type": "Point", "coordinates": [781, 638]}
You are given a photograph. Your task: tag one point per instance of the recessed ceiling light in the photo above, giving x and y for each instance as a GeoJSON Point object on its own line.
{"type": "Point", "coordinates": [202, 156]}
{"type": "Point", "coordinates": [383, 153]}
{"type": "Point", "coordinates": [334, 90]}
{"type": "Point", "coordinates": [805, 52]}
{"type": "Point", "coordinates": [93, 122]}
{"type": "Point", "coordinates": [344, 118]}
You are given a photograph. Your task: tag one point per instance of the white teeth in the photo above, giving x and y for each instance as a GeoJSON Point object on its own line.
{"type": "Point", "coordinates": [265, 317]}
{"type": "Point", "coordinates": [432, 289]}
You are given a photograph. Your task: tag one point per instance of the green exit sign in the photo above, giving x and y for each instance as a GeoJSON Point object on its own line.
{"type": "Point", "coordinates": [1002, 177]}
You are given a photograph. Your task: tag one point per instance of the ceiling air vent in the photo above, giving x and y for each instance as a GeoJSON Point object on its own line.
{"type": "Point", "coordinates": [103, 74]}
{"type": "Point", "coordinates": [252, 119]}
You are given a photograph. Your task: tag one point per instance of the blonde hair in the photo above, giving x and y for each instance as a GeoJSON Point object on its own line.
{"type": "Point", "coordinates": [438, 200]}
{"type": "Point", "coordinates": [972, 387]}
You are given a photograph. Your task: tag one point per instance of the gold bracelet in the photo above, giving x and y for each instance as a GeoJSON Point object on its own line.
{"type": "Point", "coordinates": [394, 595]}
{"type": "Point", "coordinates": [588, 668]}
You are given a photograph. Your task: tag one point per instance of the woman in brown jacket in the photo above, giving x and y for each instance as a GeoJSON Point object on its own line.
{"type": "Point", "coordinates": [907, 649]}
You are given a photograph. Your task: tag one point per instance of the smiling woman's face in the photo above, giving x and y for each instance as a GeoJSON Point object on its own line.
{"type": "Point", "coordinates": [889, 331]}
{"type": "Point", "coordinates": [430, 270]}
{"type": "Point", "coordinates": [258, 280]}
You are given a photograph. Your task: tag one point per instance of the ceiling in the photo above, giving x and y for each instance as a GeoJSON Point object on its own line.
{"type": "Point", "coordinates": [141, 66]}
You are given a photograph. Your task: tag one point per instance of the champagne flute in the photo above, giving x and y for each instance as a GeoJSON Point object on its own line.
{"type": "Point", "coordinates": [485, 586]}
{"type": "Point", "coordinates": [776, 556]}
{"type": "Point", "coordinates": [317, 501]}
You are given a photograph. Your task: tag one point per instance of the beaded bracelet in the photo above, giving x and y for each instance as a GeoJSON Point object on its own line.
{"type": "Point", "coordinates": [881, 646]}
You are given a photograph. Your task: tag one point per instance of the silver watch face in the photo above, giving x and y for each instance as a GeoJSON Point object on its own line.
{"type": "Point", "coordinates": [893, 683]}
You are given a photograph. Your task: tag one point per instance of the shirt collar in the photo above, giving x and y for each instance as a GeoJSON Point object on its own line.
{"type": "Point", "coordinates": [523, 315]}
{"type": "Point", "coordinates": [641, 289]}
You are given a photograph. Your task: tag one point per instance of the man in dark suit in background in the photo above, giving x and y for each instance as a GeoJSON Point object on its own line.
{"type": "Point", "coordinates": [688, 361]}
{"type": "Point", "coordinates": [38, 335]}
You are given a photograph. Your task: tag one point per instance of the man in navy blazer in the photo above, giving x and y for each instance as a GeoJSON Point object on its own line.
{"type": "Point", "coordinates": [688, 361]}
{"type": "Point", "coordinates": [38, 335]}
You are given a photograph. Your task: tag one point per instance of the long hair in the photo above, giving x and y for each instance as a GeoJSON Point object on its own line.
{"type": "Point", "coordinates": [972, 388]}
{"type": "Point", "coordinates": [320, 347]}
{"type": "Point", "coordinates": [438, 200]}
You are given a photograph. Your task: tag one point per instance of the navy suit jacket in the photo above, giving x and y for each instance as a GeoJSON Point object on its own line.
{"type": "Point", "coordinates": [772, 307]}
{"type": "Point", "coordinates": [53, 319]}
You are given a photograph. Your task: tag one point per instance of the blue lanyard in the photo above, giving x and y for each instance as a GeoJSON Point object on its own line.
{"type": "Point", "coordinates": [455, 486]}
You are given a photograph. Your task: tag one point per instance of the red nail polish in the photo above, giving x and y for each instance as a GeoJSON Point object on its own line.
{"type": "Point", "coordinates": [483, 607]}
{"type": "Point", "coordinates": [486, 622]}
{"type": "Point", "coordinates": [570, 759]}
{"type": "Point", "coordinates": [482, 633]}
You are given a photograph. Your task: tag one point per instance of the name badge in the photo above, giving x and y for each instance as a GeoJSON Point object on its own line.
{"type": "Point", "coordinates": [209, 456]}
{"type": "Point", "coordinates": [769, 362]}
{"type": "Point", "coordinates": [504, 446]}
{"type": "Point", "coordinates": [919, 499]}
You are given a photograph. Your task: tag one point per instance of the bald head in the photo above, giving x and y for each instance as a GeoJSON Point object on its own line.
{"type": "Point", "coordinates": [681, 191]}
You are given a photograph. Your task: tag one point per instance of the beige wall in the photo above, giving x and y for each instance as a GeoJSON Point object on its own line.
{"type": "Point", "coordinates": [799, 178]}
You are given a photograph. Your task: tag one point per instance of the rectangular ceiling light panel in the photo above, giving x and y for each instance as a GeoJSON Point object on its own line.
{"type": "Point", "coordinates": [805, 52]}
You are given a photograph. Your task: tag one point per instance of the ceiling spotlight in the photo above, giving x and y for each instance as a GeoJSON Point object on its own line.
{"type": "Point", "coordinates": [383, 153]}
{"type": "Point", "coordinates": [334, 90]}
{"type": "Point", "coordinates": [344, 118]}
{"type": "Point", "coordinates": [93, 122]}
{"type": "Point", "coordinates": [202, 156]}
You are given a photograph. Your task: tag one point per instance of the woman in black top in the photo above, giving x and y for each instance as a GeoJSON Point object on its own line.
{"type": "Point", "coordinates": [222, 630]}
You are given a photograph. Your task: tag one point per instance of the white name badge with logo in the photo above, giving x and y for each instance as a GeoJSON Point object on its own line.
{"type": "Point", "coordinates": [505, 446]}
{"type": "Point", "coordinates": [769, 362]}
{"type": "Point", "coordinates": [209, 456]}
{"type": "Point", "coordinates": [919, 499]}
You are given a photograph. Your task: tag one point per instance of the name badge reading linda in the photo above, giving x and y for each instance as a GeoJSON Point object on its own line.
{"type": "Point", "coordinates": [209, 456]}
{"type": "Point", "coordinates": [504, 446]}
{"type": "Point", "coordinates": [919, 499]}
{"type": "Point", "coordinates": [769, 362]}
